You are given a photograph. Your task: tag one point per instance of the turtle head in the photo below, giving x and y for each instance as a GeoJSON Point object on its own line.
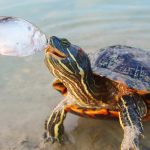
{"type": "Point", "coordinates": [65, 59]}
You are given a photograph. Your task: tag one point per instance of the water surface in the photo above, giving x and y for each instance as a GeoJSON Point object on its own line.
{"type": "Point", "coordinates": [26, 95]}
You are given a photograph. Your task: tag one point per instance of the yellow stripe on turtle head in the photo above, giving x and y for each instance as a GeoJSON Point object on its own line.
{"type": "Point", "coordinates": [81, 72]}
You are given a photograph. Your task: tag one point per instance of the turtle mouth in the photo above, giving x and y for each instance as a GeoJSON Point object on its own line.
{"type": "Point", "coordinates": [54, 52]}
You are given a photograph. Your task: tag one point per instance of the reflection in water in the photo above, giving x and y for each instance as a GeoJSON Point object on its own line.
{"type": "Point", "coordinates": [26, 97]}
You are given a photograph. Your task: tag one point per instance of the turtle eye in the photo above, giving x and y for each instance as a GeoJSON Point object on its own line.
{"type": "Point", "coordinates": [65, 43]}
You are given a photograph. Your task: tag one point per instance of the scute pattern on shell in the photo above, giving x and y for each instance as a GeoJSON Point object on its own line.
{"type": "Point", "coordinates": [128, 64]}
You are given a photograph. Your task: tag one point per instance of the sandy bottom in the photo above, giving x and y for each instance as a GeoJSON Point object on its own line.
{"type": "Point", "coordinates": [26, 100]}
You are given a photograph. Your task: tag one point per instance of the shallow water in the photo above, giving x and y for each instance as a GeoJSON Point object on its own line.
{"type": "Point", "coordinates": [26, 95]}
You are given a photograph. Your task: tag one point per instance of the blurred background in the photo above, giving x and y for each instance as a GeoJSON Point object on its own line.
{"type": "Point", "coordinates": [26, 95]}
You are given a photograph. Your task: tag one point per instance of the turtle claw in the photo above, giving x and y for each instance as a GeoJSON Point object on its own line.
{"type": "Point", "coordinates": [48, 139]}
{"type": "Point", "coordinates": [51, 139]}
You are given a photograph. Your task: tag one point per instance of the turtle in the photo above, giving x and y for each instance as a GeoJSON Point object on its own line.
{"type": "Point", "coordinates": [113, 82]}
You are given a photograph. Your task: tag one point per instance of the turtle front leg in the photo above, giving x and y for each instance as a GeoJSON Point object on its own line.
{"type": "Point", "coordinates": [54, 125]}
{"type": "Point", "coordinates": [130, 120]}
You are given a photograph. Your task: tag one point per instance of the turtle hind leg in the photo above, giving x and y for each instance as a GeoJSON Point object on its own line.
{"type": "Point", "coordinates": [130, 120]}
{"type": "Point", "coordinates": [54, 125]}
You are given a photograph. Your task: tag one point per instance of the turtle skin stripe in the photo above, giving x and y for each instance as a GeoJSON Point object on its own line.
{"type": "Point", "coordinates": [130, 119]}
{"type": "Point", "coordinates": [54, 125]}
{"type": "Point", "coordinates": [73, 84]}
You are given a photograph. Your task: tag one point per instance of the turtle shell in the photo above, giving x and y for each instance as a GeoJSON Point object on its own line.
{"type": "Point", "coordinates": [127, 64]}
